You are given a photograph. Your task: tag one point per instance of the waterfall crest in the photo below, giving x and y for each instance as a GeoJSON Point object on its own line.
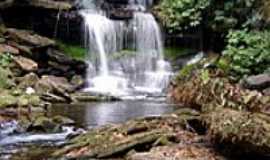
{"type": "Point", "coordinates": [125, 57]}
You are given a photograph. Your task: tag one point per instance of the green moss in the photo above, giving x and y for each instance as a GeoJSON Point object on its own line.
{"type": "Point", "coordinates": [5, 81]}
{"type": "Point", "coordinates": [186, 71]}
{"type": "Point", "coordinates": [73, 50]}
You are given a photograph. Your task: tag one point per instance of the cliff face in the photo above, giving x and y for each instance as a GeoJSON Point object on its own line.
{"type": "Point", "coordinates": [55, 19]}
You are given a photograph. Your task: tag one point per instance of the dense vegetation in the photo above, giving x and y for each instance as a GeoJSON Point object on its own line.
{"type": "Point", "coordinates": [240, 25]}
{"type": "Point", "coordinates": [248, 52]}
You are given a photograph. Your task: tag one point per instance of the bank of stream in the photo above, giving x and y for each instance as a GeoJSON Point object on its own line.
{"type": "Point", "coordinates": [27, 146]}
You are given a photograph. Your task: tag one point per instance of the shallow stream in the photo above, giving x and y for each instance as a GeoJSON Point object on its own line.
{"type": "Point", "coordinates": [27, 146]}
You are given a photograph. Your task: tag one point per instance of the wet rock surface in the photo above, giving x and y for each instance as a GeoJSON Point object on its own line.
{"type": "Point", "coordinates": [141, 135]}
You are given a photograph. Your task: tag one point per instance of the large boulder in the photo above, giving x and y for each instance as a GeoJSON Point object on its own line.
{"type": "Point", "coordinates": [29, 38]}
{"type": "Point", "coordinates": [28, 80]}
{"type": "Point", "coordinates": [49, 83]}
{"type": "Point", "coordinates": [261, 81]}
{"type": "Point", "coordinates": [26, 64]}
{"type": "Point", "coordinates": [54, 89]}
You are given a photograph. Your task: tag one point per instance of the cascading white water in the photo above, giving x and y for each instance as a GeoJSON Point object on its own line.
{"type": "Point", "coordinates": [145, 71]}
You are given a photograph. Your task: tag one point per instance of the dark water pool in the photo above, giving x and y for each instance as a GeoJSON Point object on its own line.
{"type": "Point", "coordinates": [25, 146]}
{"type": "Point", "coordinates": [102, 113]}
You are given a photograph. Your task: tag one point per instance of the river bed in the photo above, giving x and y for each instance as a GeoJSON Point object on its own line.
{"type": "Point", "coordinates": [27, 146]}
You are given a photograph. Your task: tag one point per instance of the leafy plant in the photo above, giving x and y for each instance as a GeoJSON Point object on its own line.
{"type": "Point", "coordinates": [217, 16]}
{"type": "Point", "coordinates": [248, 52]}
{"type": "Point", "coordinates": [181, 14]}
{"type": "Point", "coordinates": [5, 59]}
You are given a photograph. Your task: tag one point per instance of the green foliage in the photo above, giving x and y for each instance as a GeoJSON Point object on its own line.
{"type": "Point", "coordinates": [5, 59]}
{"type": "Point", "coordinates": [248, 52]}
{"type": "Point", "coordinates": [218, 16]}
{"type": "Point", "coordinates": [75, 51]}
{"type": "Point", "coordinates": [181, 14]}
{"type": "Point", "coordinates": [233, 14]}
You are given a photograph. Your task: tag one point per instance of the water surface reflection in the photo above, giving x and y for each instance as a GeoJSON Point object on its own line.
{"type": "Point", "coordinates": [96, 114]}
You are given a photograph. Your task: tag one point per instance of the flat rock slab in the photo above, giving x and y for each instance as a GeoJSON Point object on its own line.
{"type": "Point", "coordinates": [29, 38]}
{"type": "Point", "coordinates": [8, 49]}
{"type": "Point", "coordinates": [50, 4]}
{"type": "Point", "coordinates": [26, 64]}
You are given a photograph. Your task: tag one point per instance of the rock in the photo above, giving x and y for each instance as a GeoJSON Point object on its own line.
{"type": "Point", "coordinates": [8, 49]}
{"type": "Point", "coordinates": [29, 38]}
{"type": "Point", "coordinates": [118, 140]}
{"type": "Point", "coordinates": [49, 124]}
{"type": "Point", "coordinates": [6, 3]}
{"type": "Point", "coordinates": [27, 100]}
{"type": "Point", "coordinates": [50, 4]}
{"type": "Point", "coordinates": [266, 92]}
{"type": "Point", "coordinates": [54, 89]}
{"type": "Point", "coordinates": [52, 83]}
{"type": "Point", "coordinates": [22, 48]}
{"type": "Point", "coordinates": [77, 81]}
{"type": "Point", "coordinates": [239, 130]}
{"type": "Point", "coordinates": [261, 81]}
{"type": "Point", "coordinates": [178, 152]}
{"type": "Point", "coordinates": [63, 120]}
{"type": "Point", "coordinates": [53, 98]}
{"type": "Point", "coordinates": [29, 80]}
{"type": "Point", "coordinates": [6, 80]}
{"type": "Point", "coordinates": [26, 64]}
{"type": "Point", "coordinates": [7, 100]}
{"type": "Point", "coordinates": [43, 124]}
{"type": "Point", "coordinates": [57, 66]}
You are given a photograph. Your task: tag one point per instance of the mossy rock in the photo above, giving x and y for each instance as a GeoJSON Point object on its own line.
{"type": "Point", "coordinates": [249, 132]}
{"type": "Point", "coordinates": [117, 140]}
{"type": "Point", "coordinates": [7, 100]}
{"type": "Point", "coordinates": [5, 78]}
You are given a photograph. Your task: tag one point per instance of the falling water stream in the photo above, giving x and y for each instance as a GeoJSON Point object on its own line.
{"type": "Point", "coordinates": [144, 71]}
{"type": "Point", "coordinates": [125, 59]}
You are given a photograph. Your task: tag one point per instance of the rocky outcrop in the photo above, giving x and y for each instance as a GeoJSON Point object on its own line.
{"type": "Point", "coordinates": [26, 64]}
{"type": "Point", "coordinates": [29, 38]}
{"type": "Point", "coordinates": [37, 67]}
{"type": "Point", "coordinates": [33, 52]}
{"type": "Point", "coordinates": [51, 18]}
{"type": "Point", "coordinates": [47, 4]}
{"type": "Point", "coordinates": [140, 134]}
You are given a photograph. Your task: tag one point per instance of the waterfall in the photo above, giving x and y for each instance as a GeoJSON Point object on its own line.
{"type": "Point", "coordinates": [143, 70]}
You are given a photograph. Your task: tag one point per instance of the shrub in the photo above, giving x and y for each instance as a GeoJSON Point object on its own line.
{"type": "Point", "coordinates": [248, 52]}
